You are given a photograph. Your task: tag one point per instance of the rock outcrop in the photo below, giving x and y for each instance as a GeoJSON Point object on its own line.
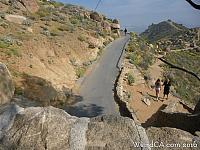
{"type": "Point", "coordinates": [171, 138]}
{"type": "Point", "coordinates": [171, 118]}
{"type": "Point", "coordinates": [41, 90]}
{"type": "Point", "coordinates": [115, 26]}
{"type": "Point", "coordinates": [106, 26]}
{"type": "Point", "coordinates": [96, 16]}
{"type": "Point", "coordinates": [15, 18]}
{"type": "Point", "coordinates": [6, 85]}
{"type": "Point", "coordinates": [50, 128]}
{"type": "Point", "coordinates": [30, 5]}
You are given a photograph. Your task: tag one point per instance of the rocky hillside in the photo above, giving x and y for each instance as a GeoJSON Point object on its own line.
{"type": "Point", "coordinates": [162, 30]}
{"type": "Point", "coordinates": [170, 35]}
{"type": "Point", "coordinates": [51, 128]}
{"type": "Point", "coordinates": [47, 46]}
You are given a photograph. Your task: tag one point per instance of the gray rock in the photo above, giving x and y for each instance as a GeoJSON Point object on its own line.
{"type": "Point", "coordinates": [6, 85]}
{"type": "Point", "coordinates": [112, 132]}
{"type": "Point", "coordinates": [29, 5]}
{"type": "Point", "coordinates": [15, 18]}
{"type": "Point", "coordinates": [39, 128]}
{"type": "Point", "coordinates": [171, 138]}
{"type": "Point", "coordinates": [51, 128]}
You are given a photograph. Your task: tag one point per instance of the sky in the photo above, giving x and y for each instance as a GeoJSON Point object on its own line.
{"type": "Point", "coordinates": [137, 15]}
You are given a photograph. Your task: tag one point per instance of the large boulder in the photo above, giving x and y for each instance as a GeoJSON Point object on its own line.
{"type": "Point", "coordinates": [6, 85]}
{"type": "Point", "coordinates": [106, 26]}
{"type": "Point", "coordinates": [51, 128]}
{"type": "Point", "coordinates": [30, 5]}
{"type": "Point", "coordinates": [15, 18]}
{"type": "Point", "coordinates": [171, 138]}
{"type": "Point", "coordinates": [115, 26]}
{"type": "Point", "coordinates": [169, 117]}
{"type": "Point", "coordinates": [41, 90]}
{"type": "Point", "coordinates": [95, 16]}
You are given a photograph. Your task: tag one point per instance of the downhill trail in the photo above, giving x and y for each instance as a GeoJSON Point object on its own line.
{"type": "Point", "coordinates": [97, 90]}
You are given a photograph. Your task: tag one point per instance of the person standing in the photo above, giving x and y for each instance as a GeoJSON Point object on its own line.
{"type": "Point", "coordinates": [157, 88]}
{"type": "Point", "coordinates": [167, 85]}
{"type": "Point", "coordinates": [125, 31]}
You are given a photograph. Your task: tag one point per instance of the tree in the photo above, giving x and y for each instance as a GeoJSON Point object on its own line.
{"type": "Point", "coordinates": [196, 6]}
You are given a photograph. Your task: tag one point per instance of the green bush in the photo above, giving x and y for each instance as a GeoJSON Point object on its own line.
{"type": "Point", "coordinates": [130, 78]}
{"type": "Point", "coordinates": [80, 71]}
{"type": "Point", "coordinates": [43, 12]}
{"type": "Point", "coordinates": [103, 34]}
{"type": "Point", "coordinates": [139, 52]}
{"type": "Point", "coordinates": [13, 52]}
{"type": "Point", "coordinates": [4, 44]}
{"type": "Point", "coordinates": [54, 32]}
{"type": "Point", "coordinates": [70, 27]}
{"type": "Point", "coordinates": [18, 91]}
{"type": "Point", "coordinates": [81, 38]}
{"type": "Point", "coordinates": [63, 28]}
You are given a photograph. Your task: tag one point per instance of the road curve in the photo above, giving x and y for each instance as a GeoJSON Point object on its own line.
{"type": "Point", "coordinates": [97, 90]}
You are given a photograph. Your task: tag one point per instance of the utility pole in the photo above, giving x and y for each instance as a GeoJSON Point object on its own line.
{"type": "Point", "coordinates": [97, 5]}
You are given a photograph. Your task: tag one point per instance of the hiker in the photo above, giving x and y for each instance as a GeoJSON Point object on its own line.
{"type": "Point", "coordinates": [157, 88]}
{"type": "Point", "coordinates": [125, 31]}
{"type": "Point", "coordinates": [167, 85]}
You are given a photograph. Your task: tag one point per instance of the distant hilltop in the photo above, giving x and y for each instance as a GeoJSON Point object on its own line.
{"type": "Point", "coordinates": [162, 30]}
{"type": "Point", "coordinates": [171, 35]}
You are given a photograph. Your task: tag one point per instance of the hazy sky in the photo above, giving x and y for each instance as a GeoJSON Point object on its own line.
{"type": "Point", "coordinates": [138, 14]}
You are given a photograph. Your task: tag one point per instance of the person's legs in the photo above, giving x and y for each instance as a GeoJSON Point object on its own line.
{"type": "Point", "coordinates": [167, 95]}
{"type": "Point", "coordinates": [157, 94]}
{"type": "Point", "coordinates": [163, 95]}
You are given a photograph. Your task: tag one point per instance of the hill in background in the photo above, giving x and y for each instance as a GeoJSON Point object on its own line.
{"type": "Point", "coordinates": [162, 30]}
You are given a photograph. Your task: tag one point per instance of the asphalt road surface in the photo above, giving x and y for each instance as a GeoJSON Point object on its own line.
{"type": "Point", "coordinates": [97, 90]}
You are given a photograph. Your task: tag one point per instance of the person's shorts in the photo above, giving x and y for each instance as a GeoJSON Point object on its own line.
{"type": "Point", "coordinates": [157, 89]}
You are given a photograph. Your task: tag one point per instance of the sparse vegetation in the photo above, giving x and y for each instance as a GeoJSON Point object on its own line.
{"type": "Point", "coordinates": [130, 79]}
{"type": "Point", "coordinates": [13, 52]}
{"type": "Point", "coordinates": [43, 12]}
{"type": "Point", "coordinates": [80, 71]}
{"type": "Point", "coordinates": [4, 44]}
{"type": "Point", "coordinates": [81, 38]}
{"type": "Point", "coordinates": [139, 53]}
{"type": "Point", "coordinates": [187, 86]}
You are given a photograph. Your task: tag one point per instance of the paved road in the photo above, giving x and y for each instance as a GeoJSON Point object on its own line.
{"type": "Point", "coordinates": [96, 92]}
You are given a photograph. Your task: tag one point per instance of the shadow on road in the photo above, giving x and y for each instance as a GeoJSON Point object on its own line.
{"type": "Point", "coordinates": [90, 110]}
